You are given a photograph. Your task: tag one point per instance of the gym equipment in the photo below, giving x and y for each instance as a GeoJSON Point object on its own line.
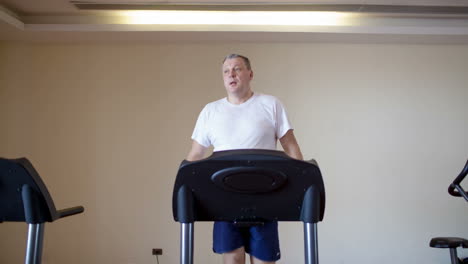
{"type": "Point", "coordinates": [25, 198]}
{"type": "Point", "coordinates": [249, 187]}
{"type": "Point", "coordinates": [453, 243]}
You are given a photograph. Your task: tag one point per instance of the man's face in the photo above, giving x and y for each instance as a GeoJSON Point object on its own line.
{"type": "Point", "coordinates": [236, 76]}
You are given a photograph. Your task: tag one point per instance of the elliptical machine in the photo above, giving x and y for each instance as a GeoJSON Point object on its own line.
{"type": "Point", "coordinates": [453, 243]}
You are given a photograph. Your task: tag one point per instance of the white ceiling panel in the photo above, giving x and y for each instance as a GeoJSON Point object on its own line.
{"type": "Point", "coordinates": [396, 20]}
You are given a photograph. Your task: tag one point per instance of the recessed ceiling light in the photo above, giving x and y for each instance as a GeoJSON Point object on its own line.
{"type": "Point", "coordinates": [298, 18]}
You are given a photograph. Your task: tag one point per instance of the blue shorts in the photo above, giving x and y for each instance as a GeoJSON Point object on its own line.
{"type": "Point", "coordinates": [259, 241]}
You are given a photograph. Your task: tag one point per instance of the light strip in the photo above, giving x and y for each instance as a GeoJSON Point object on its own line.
{"type": "Point", "coordinates": [279, 18]}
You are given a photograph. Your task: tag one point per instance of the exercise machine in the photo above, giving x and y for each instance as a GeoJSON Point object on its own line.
{"type": "Point", "coordinates": [24, 198]}
{"type": "Point", "coordinates": [452, 243]}
{"type": "Point", "coordinates": [249, 187]}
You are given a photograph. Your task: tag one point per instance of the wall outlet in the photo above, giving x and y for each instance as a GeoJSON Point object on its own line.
{"type": "Point", "coordinates": [157, 251]}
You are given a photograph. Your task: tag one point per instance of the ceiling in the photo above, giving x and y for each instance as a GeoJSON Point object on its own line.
{"type": "Point", "coordinates": [370, 21]}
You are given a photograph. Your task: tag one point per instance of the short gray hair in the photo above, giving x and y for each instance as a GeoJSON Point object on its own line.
{"type": "Point", "coordinates": [233, 56]}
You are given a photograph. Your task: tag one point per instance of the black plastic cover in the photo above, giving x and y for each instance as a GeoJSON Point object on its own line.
{"type": "Point", "coordinates": [24, 196]}
{"type": "Point", "coordinates": [276, 191]}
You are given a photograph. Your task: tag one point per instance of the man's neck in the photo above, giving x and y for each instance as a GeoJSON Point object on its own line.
{"type": "Point", "coordinates": [239, 99]}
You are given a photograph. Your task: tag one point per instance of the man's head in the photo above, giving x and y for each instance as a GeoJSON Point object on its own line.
{"type": "Point", "coordinates": [237, 74]}
{"type": "Point", "coordinates": [233, 56]}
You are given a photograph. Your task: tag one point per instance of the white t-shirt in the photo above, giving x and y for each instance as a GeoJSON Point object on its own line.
{"type": "Point", "coordinates": [256, 123]}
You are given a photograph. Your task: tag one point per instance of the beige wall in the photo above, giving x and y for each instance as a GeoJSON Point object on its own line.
{"type": "Point", "coordinates": [107, 125]}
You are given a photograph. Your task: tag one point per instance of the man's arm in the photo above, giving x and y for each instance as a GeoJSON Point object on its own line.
{"type": "Point", "coordinates": [197, 152]}
{"type": "Point", "coordinates": [290, 146]}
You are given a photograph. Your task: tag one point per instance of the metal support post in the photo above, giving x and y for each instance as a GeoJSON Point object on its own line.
{"type": "Point", "coordinates": [311, 243]}
{"type": "Point", "coordinates": [34, 244]}
{"type": "Point", "coordinates": [186, 243]}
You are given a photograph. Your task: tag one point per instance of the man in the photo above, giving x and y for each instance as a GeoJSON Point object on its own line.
{"type": "Point", "coordinates": [243, 120]}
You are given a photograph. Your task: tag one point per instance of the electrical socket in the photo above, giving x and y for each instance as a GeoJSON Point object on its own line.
{"type": "Point", "coordinates": [157, 251]}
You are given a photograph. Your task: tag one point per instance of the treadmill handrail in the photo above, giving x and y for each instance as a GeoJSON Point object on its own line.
{"type": "Point", "coordinates": [455, 188]}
